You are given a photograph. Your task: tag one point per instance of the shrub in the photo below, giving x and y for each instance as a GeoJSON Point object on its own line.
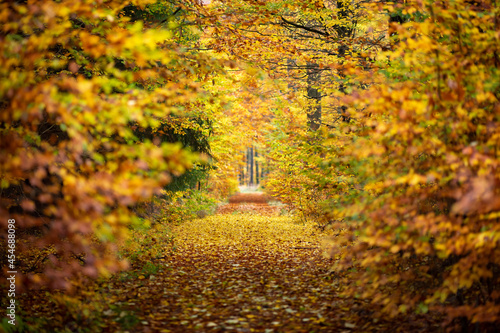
{"type": "Point", "coordinates": [420, 225]}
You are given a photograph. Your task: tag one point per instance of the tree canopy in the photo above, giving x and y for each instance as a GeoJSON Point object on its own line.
{"type": "Point", "coordinates": [375, 119]}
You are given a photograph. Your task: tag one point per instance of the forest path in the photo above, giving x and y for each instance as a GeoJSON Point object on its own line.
{"type": "Point", "coordinates": [245, 272]}
{"type": "Point", "coordinates": [245, 269]}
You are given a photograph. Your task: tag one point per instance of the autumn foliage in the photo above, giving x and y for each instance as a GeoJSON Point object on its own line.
{"type": "Point", "coordinates": [79, 81]}
{"type": "Point", "coordinates": [410, 180]}
{"type": "Point", "coordinates": [378, 120]}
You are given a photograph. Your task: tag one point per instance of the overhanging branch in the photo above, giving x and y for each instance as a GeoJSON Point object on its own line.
{"type": "Point", "coordinates": [322, 33]}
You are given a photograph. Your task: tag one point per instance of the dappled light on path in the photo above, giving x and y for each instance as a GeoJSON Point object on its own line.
{"type": "Point", "coordinates": [249, 273]}
{"type": "Point", "coordinates": [237, 271]}
{"type": "Point", "coordinates": [254, 202]}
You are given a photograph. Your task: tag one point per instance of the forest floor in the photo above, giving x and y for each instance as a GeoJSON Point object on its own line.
{"type": "Point", "coordinates": [245, 269]}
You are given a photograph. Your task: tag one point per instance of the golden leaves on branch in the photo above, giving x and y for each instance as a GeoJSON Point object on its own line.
{"type": "Point", "coordinates": [76, 77]}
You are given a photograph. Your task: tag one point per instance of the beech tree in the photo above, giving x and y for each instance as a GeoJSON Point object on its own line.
{"type": "Point", "coordinates": [380, 119]}
{"type": "Point", "coordinates": [408, 178]}
{"type": "Point", "coordinates": [79, 80]}
{"type": "Point", "coordinates": [420, 217]}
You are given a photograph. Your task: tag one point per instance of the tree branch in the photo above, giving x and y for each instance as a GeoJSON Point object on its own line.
{"type": "Point", "coordinates": [326, 34]}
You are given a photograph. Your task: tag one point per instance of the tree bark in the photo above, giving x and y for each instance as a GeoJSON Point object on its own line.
{"type": "Point", "coordinates": [314, 96]}
{"type": "Point", "coordinates": [247, 179]}
{"type": "Point", "coordinates": [251, 165]}
{"type": "Point", "coordinates": [256, 167]}
{"type": "Point", "coordinates": [395, 19]}
{"type": "Point", "coordinates": [343, 32]}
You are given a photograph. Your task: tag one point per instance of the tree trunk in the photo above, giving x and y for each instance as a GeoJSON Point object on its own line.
{"type": "Point", "coordinates": [314, 96]}
{"type": "Point", "coordinates": [247, 180]}
{"type": "Point", "coordinates": [256, 168]}
{"type": "Point", "coordinates": [395, 19]}
{"type": "Point", "coordinates": [250, 164]}
{"type": "Point", "coordinates": [291, 65]}
{"type": "Point", "coordinates": [343, 32]}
